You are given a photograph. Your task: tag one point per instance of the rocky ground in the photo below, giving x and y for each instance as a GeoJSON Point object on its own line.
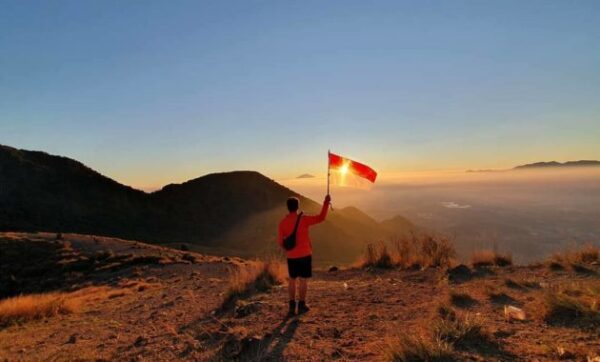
{"type": "Point", "coordinates": [143, 302]}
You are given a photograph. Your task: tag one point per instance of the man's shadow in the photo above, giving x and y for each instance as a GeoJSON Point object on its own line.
{"type": "Point", "coordinates": [281, 335]}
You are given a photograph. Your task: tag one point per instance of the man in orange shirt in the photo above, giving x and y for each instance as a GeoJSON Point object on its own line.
{"type": "Point", "coordinates": [299, 258]}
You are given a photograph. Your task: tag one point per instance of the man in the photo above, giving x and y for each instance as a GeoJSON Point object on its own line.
{"type": "Point", "coordinates": [299, 258]}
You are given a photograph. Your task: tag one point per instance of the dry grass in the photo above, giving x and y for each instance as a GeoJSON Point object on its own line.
{"type": "Point", "coordinates": [256, 277]}
{"type": "Point", "coordinates": [35, 306]}
{"type": "Point", "coordinates": [462, 332]}
{"type": "Point", "coordinates": [575, 258]}
{"type": "Point", "coordinates": [377, 256]}
{"type": "Point", "coordinates": [575, 306]}
{"type": "Point", "coordinates": [416, 251]}
{"type": "Point", "coordinates": [25, 308]}
{"type": "Point", "coordinates": [521, 284]}
{"type": "Point", "coordinates": [482, 258]}
{"type": "Point", "coordinates": [407, 348]}
{"type": "Point", "coordinates": [450, 333]}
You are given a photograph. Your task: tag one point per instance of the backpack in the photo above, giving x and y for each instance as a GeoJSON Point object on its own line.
{"type": "Point", "coordinates": [290, 241]}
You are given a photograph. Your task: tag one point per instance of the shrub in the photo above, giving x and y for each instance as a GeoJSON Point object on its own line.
{"type": "Point", "coordinates": [482, 258]}
{"type": "Point", "coordinates": [34, 306]}
{"type": "Point", "coordinates": [461, 332]}
{"type": "Point", "coordinates": [409, 349]}
{"type": "Point", "coordinates": [414, 251]}
{"type": "Point", "coordinates": [257, 277]}
{"type": "Point", "coordinates": [585, 255]}
{"type": "Point", "coordinates": [436, 252]}
{"type": "Point", "coordinates": [559, 307]}
{"type": "Point", "coordinates": [406, 253]}
{"type": "Point", "coordinates": [575, 258]}
{"type": "Point", "coordinates": [377, 256]}
{"type": "Point", "coordinates": [445, 311]}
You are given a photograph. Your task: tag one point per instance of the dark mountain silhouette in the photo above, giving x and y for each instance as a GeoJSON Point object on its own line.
{"type": "Point", "coordinates": [581, 163]}
{"type": "Point", "coordinates": [231, 213]}
{"type": "Point", "coordinates": [546, 165]}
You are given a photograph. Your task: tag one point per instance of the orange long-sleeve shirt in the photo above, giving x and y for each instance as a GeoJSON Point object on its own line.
{"type": "Point", "coordinates": [303, 244]}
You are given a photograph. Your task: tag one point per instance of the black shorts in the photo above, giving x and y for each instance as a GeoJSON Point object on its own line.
{"type": "Point", "coordinates": [300, 267]}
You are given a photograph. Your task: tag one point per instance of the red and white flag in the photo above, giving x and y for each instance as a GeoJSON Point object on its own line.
{"type": "Point", "coordinates": [345, 172]}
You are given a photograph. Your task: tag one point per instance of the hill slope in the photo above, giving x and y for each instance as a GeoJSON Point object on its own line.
{"type": "Point", "coordinates": [231, 213]}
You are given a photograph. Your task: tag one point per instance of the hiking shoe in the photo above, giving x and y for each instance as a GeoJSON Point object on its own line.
{"type": "Point", "coordinates": [302, 308]}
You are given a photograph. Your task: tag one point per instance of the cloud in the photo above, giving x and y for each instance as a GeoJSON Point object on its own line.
{"type": "Point", "coordinates": [454, 205]}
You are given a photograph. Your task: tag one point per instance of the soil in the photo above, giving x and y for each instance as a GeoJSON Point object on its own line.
{"type": "Point", "coordinates": [167, 308]}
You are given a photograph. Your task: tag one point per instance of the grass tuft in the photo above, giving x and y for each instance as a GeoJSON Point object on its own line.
{"type": "Point", "coordinates": [256, 277]}
{"type": "Point", "coordinates": [484, 258]}
{"type": "Point", "coordinates": [462, 332]}
{"type": "Point", "coordinates": [377, 256]}
{"type": "Point", "coordinates": [416, 251]}
{"type": "Point", "coordinates": [570, 308]}
{"type": "Point", "coordinates": [25, 308]}
{"type": "Point", "coordinates": [575, 259]}
{"type": "Point", "coordinates": [409, 349]}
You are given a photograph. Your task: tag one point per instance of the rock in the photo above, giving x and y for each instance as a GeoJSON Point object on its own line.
{"type": "Point", "coordinates": [333, 268]}
{"type": "Point", "coordinates": [514, 313]}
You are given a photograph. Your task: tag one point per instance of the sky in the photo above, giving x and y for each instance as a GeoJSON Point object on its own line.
{"type": "Point", "coordinates": [154, 92]}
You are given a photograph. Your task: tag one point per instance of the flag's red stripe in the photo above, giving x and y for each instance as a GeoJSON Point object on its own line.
{"type": "Point", "coordinates": [336, 161]}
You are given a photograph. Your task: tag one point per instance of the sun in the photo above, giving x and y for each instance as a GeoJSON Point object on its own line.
{"type": "Point", "coordinates": [344, 169]}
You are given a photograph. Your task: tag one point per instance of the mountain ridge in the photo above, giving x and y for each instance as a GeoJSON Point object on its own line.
{"type": "Point", "coordinates": [235, 211]}
{"type": "Point", "coordinates": [545, 165]}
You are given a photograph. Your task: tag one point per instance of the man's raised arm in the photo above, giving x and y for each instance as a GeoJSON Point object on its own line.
{"type": "Point", "coordinates": [311, 220]}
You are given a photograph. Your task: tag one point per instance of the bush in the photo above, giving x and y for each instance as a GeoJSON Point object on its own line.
{"type": "Point", "coordinates": [415, 251]}
{"type": "Point", "coordinates": [34, 306]}
{"type": "Point", "coordinates": [257, 277]}
{"type": "Point", "coordinates": [377, 256]}
{"type": "Point", "coordinates": [461, 332]}
{"type": "Point", "coordinates": [575, 258]}
{"type": "Point", "coordinates": [409, 349]}
{"type": "Point", "coordinates": [482, 258]}
{"type": "Point", "coordinates": [559, 307]}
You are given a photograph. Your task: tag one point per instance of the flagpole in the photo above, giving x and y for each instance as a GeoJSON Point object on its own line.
{"type": "Point", "coordinates": [328, 174]}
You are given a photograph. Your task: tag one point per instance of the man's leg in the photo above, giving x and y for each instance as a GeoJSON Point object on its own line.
{"type": "Point", "coordinates": [305, 274]}
{"type": "Point", "coordinates": [292, 294]}
{"type": "Point", "coordinates": [292, 288]}
{"type": "Point", "coordinates": [302, 308]}
{"type": "Point", "coordinates": [303, 287]}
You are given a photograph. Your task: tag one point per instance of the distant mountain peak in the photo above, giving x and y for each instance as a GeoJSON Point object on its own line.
{"type": "Point", "coordinates": [306, 175]}
{"type": "Point", "coordinates": [580, 163]}
{"type": "Point", "coordinates": [546, 165]}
